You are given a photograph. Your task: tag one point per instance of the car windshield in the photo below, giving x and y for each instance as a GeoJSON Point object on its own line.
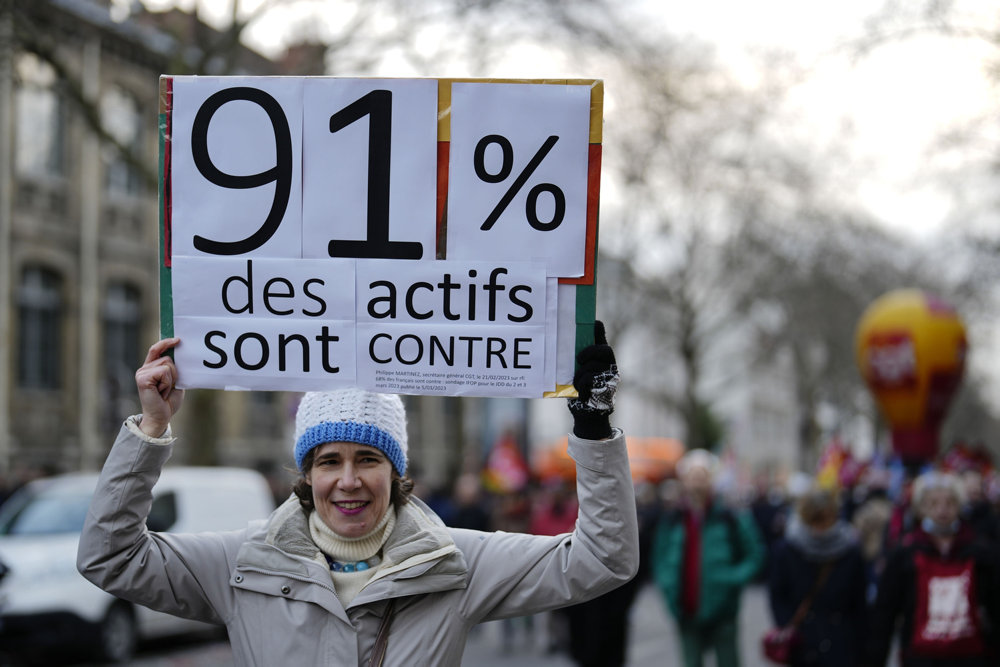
{"type": "Point", "coordinates": [44, 514]}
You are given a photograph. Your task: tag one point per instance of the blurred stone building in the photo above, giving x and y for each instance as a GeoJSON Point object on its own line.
{"type": "Point", "coordinates": [79, 266]}
{"type": "Point", "coordinates": [79, 241]}
{"type": "Point", "coordinates": [79, 237]}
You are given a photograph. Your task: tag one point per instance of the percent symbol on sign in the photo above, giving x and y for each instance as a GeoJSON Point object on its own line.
{"type": "Point", "coordinates": [506, 165]}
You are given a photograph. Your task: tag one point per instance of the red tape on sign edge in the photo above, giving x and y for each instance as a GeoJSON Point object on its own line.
{"type": "Point", "coordinates": [167, 197]}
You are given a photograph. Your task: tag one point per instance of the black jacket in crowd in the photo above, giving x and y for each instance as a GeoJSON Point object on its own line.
{"type": "Point", "coordinates": [832, 633]}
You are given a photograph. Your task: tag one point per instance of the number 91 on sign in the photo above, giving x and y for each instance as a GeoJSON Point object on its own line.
{"type": "Point", "coordinates": [327, 167]}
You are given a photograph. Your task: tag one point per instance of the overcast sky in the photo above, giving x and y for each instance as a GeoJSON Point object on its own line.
{"type": "Point", "coordinates": [896, 101]}
{"type": "Point", "coordinates": [893, 102]}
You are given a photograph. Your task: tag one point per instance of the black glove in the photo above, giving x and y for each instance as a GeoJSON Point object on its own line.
{"type": "Point", "coordinates": [596, 380]}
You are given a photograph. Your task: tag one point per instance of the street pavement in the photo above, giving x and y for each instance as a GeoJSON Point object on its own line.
{"type": "Point", "coordinates": [652, 637]}
{"type": "Point", "coordinates": [652, 640]}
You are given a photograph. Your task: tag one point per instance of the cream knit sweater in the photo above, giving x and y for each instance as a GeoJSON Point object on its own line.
{"type": "Point", "coordinates": [349, 549]}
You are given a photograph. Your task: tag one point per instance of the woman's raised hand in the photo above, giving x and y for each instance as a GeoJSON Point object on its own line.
{"type": "Point", "coordinates": [156, 381]}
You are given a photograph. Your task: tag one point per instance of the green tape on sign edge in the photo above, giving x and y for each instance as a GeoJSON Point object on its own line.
{"type": "Point", "coordinates": [586, 313]}
{"type": "Point", "coordinates": [586, 303]}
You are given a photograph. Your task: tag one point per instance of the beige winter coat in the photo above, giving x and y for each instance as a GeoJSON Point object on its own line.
{"type": "Point", "coordinates": [272, 590]}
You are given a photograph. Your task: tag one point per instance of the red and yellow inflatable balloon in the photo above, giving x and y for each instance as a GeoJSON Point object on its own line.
{"type": "Point", "coordinates": [911, 351]}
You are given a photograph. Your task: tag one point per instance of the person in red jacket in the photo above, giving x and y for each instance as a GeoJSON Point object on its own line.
{"type": "Point", "coordinates": [942, 581]}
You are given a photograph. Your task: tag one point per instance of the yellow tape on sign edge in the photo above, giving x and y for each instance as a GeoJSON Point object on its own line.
{"type": "Point", "coordinates": [562, 391]}
{"type": "Point", "coordinates": [596, 102]}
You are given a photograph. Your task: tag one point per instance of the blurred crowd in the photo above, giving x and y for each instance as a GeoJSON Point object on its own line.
{"type": "Point", "coordinates": [861, 560]}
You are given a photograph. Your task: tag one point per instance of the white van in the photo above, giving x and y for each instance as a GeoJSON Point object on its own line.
{"type": "Point", "coordinates": [46, 605]}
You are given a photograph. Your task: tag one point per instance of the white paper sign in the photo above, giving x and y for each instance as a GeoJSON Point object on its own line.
{"type": "Point", "coordinates": [552, 332]}
{"type": "Point", "coordinates": [518, 174]}
{"type": "Point", "coordinates": [370, 173]}
{"type": "Point", "coordinates": [261, 353]}
{"type": "Point", "coordinates": [263, 287]}
{"type": "Point", "coordinates": [451, 292]}
{"type": "Point", "coordinates": [235, 163]}
{"type": "Point", "coordinates": [301, 232]}
{"type": "Point", "coordinates": [467, 361]}
{"type": "Point", "coordinates": [257, 323]}
{"type": "Point", "coordinates": [456, 328]}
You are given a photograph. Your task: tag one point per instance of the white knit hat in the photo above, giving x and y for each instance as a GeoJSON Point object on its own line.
{"type": "Point", "coordinates": [352, 415]}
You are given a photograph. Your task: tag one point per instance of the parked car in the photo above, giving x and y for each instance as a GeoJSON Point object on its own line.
{"type": "Point", "coordinates": [47, 606]}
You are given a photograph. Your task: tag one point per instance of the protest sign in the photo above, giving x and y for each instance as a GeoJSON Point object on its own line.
{"type": "Point", "coordinates": [421, 236]}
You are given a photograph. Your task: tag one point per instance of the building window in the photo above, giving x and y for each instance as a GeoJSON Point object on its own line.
{"type": "Point", "coordinates": [40, 146]}
{"type": "Point", "coordinates": [122, 318]}
{"type": "Point", "coordinates": [121, 119]}
{"type": "Point", "coordinates": [40, 311]}
{"type": "Point", "coordinates": [121, 336]}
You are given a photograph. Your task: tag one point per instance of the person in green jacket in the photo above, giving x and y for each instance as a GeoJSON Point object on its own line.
{"type": "Point", "coordinates": [703, 556]}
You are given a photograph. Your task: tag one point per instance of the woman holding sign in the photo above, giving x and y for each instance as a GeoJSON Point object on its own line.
{"type": "Point", "coordinates": [353, 570]}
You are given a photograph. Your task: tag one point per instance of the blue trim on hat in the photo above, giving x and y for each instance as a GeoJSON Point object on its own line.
{"type": "Point", "coordinates": [349, 431]}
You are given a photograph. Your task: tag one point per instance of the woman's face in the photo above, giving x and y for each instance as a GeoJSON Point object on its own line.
{"type": "Point", "coordinates": [941, 506]}
{"type": "Point", "coordinates": [351, 486]}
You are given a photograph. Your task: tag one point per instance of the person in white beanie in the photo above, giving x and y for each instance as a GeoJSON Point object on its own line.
{"type": "Point", "coordinates": [352, 569]}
